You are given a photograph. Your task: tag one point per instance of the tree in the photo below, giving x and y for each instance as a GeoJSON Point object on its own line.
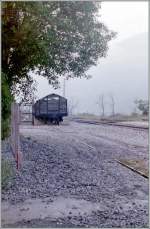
{"type": "Point", "coordinates": [101, 105]}
{"type": "Point", "coordinates": [26, 91]}
{"type": "Point", "coordinates": [72, 105]}
{"type": "Point", "coordinates": [51, 39]}
{"type": "Point", "coordinates": [112, 104]}
{"type": "Point", "coordinates": [143, 106]}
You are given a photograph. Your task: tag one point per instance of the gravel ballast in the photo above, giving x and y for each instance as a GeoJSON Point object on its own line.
{"type": "Point", "coordinates": [78, 161]}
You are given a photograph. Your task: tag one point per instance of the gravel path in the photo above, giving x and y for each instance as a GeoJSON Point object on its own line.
{"type": "Point", "coordinates": [76, 161]}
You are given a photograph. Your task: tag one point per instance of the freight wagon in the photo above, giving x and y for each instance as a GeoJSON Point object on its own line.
{"type": "Point", "coordinates": [52, 108]}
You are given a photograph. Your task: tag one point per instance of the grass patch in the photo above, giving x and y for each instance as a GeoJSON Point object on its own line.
{"type": "Point", "coordinates": [6, 173]}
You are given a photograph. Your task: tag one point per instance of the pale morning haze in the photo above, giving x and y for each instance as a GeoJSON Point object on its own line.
{"type": "Point", "coordinates": [123, 73]}
{"type": "Point", "coordinates": [76, 156]}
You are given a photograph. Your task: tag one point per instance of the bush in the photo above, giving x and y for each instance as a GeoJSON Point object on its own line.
{"type": "Point", "coordinates": [143, 106]}
{"type": "Point", "coordinates": [6, 173]}
{"type": "Point", "coordinates": [5, 128]}
{"type": "Point", "coordinates": [6, 107]}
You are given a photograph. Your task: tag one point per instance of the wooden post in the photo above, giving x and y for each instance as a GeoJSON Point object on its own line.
{"type": "Point", "coordinates": [15, 138]}
{"type": "Point", "coordinates": [33, 118]}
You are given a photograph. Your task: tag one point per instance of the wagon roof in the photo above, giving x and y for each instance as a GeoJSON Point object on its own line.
{"type": "Point", "coordinates": [51, 95]}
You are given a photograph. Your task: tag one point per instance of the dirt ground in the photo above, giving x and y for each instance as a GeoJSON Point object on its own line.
{"type": "Point", "coordinates": [70, 178]}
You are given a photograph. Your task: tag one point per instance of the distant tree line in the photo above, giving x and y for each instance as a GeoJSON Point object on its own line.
{"type": "Point", "coordinates": [140, 105]}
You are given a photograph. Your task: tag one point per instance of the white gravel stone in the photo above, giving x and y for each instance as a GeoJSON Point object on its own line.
{"type": "Point", "coordinates": [77, 161]}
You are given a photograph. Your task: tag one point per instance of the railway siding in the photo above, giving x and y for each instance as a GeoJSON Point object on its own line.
{"type": "Point", "coordinates": [130, 124]}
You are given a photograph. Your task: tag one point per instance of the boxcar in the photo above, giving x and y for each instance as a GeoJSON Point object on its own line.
{"type": "Point", "coordinates": [52, 108]}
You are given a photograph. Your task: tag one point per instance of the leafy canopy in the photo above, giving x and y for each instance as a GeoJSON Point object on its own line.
{"type": "Point", "coordinates": [51, 39]}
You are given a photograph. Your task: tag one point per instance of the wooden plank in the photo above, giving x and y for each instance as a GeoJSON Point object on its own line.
{"type": "Point", "coordinates": [135, 165]}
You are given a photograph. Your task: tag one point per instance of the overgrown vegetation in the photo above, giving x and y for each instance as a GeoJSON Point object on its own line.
{"type": "Point", "coordinates": [6, 173]}
{"type": "Point", "coordinates": [6, 106]}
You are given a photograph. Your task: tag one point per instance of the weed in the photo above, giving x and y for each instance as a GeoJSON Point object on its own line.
{"type": "Point", "coordinates": [6, 173]}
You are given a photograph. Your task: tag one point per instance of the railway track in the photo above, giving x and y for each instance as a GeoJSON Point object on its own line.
{"type": "Point", "coordinates": [110, 123]}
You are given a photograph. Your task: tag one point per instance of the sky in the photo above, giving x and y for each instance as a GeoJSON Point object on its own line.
{"type": "Point", "coordinates": [123, 73]}
{"type": "Point", "coordinates": [127, 18]}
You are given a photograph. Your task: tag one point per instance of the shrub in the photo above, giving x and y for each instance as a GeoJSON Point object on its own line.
{"type": "Point", "coordinates": [6, 173]}
{"type": "Point", "coordinates": [6, 107]}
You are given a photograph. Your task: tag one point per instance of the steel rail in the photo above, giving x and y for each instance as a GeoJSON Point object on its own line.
{"type": "Point", "coordinates": [110, 123]}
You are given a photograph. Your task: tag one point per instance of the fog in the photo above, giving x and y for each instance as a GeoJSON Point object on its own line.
{"type": "Point", "coordinates": [123, 73]}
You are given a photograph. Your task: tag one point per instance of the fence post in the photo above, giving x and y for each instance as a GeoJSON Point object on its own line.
{"type": "Point", "coordinates": [33, 119]}
{"type": "Point", "coordinates": [15, 137]}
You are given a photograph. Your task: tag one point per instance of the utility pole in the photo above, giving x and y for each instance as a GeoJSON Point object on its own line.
{"type": "Point", "coordinates": [64, 87]}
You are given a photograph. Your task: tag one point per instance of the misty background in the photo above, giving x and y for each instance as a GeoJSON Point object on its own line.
{"type": "Point", "coordinates": [123, 73]}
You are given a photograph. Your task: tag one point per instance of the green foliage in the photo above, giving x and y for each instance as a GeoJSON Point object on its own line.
{"type": "Point", "coordinates": [52, 38]}
{"type": "Point", "coordinates": [143, 106]}
{"type": "Point", "coordinates": [6, 173]}
{"type": "Point", "coordinates": [6, 106]}
{"type": "Point", "coordinates": [5, 128]}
